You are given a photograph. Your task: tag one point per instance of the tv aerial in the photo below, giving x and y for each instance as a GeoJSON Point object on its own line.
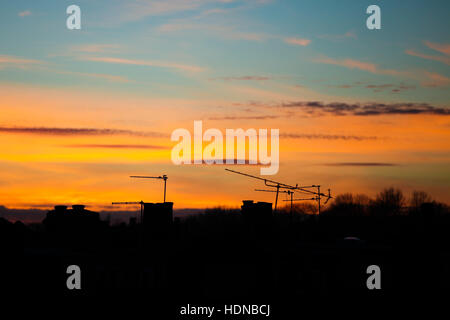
{"type": "Point", "coordinates": [286, 187]}
{"type": "Point", "coordinates": [163, 177]}
{"type": "Point", "coordinates": [288, 192]}
{"type": "Point", "coordinates": [132, 202]}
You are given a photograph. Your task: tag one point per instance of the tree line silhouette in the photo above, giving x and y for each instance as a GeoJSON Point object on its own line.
{"type": "Point", "coordinates": [388, 202]}
{"type": "Point", "coordinates": [241, 253]}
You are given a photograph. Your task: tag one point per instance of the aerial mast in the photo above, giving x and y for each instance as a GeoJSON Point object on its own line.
{"type": "Point", "coordinates": [288, 192]}
{"type": "Point", "coordinates": [163, 177]}
{"type": "Point", "coordinates": [281, 185]}
{"type": "Point", "coordinates": [132, 202]}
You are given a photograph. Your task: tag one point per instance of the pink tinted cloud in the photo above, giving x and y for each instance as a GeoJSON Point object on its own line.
{"type": "Point", "coordinates": [148, 63]}
{"type": "Point", "coordinates": [225, 32]}
{"type": "Point", "coordinates": [436, 80]}
{"type": "Point", "coordinates": [441, 47]}
{"type": "Point", "coordinates": [337, 37]}
{"type": "Point", "coordinates": [24, 13]}
{"type": "Point", "coordinates": [108, 77]}
{"type": "Point", "coordinates": [17, 62]}
{"type": "Point", "coordinates": [442, 59]}
{"type": "Point", "coordinates": [349, 63]}
{"type": "Point", "coordinates": [365, 66]}
{"type": "Point", "coordinates": [136, 10]}
{"type": "Point", "coordinates": [350, 34]}
{"type": "Point", "coordinates": [95, 48]}
{"type": "Point", "coordinates": [298, 41]}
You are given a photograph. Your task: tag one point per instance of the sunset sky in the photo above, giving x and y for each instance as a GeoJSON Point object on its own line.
{"type": "Point", "coordinates": [358, 110]}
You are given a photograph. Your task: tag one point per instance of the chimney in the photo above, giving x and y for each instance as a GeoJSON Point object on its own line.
{"type": "Point", "coordinates": [78, 207]}
{"type": "Point", "coordinates": [60, 208]}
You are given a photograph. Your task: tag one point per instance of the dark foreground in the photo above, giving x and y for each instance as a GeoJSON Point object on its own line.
{"type": "Point", "coordinates": [231, 258]}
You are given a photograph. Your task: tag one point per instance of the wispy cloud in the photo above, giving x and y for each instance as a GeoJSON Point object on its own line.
{"type": "Point", "coordinates": [108, 77]}
{"type": "Point", "coordinates": [361, 65]}
{"type": "Point", "coordinates": [78, 131]}
{"type": "Point", "coordinates": [393, 88]}
{"type": "Point", "coordinates": [226, 32]}
{"type": "Point", "coordinates": [214, 11]}
{"type": "Point", "coordinates": [435, 80]}
{"type": "Point", "coordinates": [21, 63]}
{"type": "Point", "coordinates": [361, 164]}
{"type": "Point", "coordinates": [148, 63]}
{"type": "Point", "coordinates": [342, 86]}
{"type": "Point", "coordinates": [441, 47]}
{"type": "Point", "coordinates": [337, 37]}
{"type": "Point", "coordinates": [298, 41]}
{"type": "Point", "coordinates": [369, 109]}
{"type": "Point", "coordinates": [251, 78]}
{"type": "Point", "coordinates": [17, 62]}
{"type": "Point", "coordinates": [267, 117]}
{"type": "Point", "coordinates": [24, 13]}
{"type": "Point", "coordinates": [235, 161]}
{"type": "Point", "coordinates": [95, 48]}
{"type": "Point", "coordinates": [325, 136]}
{"type": "Point", "coordinates": [442, 59]}
{"type": "Point", "coordinates": [136, 10]}
{"type": "Point", "coordinates": [116, 146]}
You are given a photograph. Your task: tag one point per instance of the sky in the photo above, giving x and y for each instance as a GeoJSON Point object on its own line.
{"type": "Point", "coordinates": [358, 110]}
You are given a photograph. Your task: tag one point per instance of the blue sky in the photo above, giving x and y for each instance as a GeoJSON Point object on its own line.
{"type": "Point", "coordinates": [357, 109]}
{"type": "Point", "coordinates": [230, 39]}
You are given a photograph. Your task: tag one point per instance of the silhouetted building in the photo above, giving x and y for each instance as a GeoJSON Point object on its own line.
{"type": "Point", "coordinates": [73, 227]}
{"type": "Point", "coordinates": [258, 220]}
{"type": "Point", "coordinates": [77, 217]}
{"type": "Point", "coordinates": [258, 210]}
{"type": "Point", "coordinates": [158, 222]}
{"type": "Point", "coordinates": [158, 214]}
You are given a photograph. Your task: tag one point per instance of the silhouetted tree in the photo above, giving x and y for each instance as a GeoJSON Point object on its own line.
{"type": "Point", "coordinates": [348, 204]}
{"type": "Point", "coordinates": [388, 202]}
{"type": "Point", "coordinates": [305, 208]}
{"type": "Point", "coordinates": [418, 198]}
{"type": "Point", "coordinates": [362, 200]}
{"type": "Point", "coordinates": [343, 199]}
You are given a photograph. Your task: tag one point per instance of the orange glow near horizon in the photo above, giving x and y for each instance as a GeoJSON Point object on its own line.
{"type": "Point", "coordinates": [44, 169]}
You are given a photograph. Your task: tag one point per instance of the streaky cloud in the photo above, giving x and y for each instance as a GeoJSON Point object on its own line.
{"type": "Point", "coordinates": [361, 164]}
{"type": "Point", "coordinates": [369, 109]}
{"type": "Point", "coordinates": [325, 136]}
{"type": "Point", "coordinates": [147, 63]}
{"type": "Point", "coordinates": [441, 47]}
{"type": "Point", "coordinates": [442, 59]}
{"type": "Point", "coordinates": [116, 146]}
{"type": "Point", "coordinates": [244, 118]}
{"type": "Point", "coordinates": [255, 78]}
{"type": "Point", "coordinates": [77, 131]}
{"type": "Point", "coordinates": [298, 41]}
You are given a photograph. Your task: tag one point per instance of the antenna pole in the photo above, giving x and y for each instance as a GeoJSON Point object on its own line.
{"type": "Point", "coordinates": [290, 188]}
{"type": "Point", "coordinates": [318, 197]}
{"type": "Point", "coordinates": [165, 182]}
{"type": "Point", "coordinates": [276, 197]}
{"type": "Point", "coordinates": [292, 194]}
{"type": "Point", "coordinates": [163, 177]}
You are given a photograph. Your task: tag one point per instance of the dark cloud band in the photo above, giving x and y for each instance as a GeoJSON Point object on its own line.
{"type": "Point", "coordinates": [325, 136]}
{"type": "Point", "coordinates": [116, 146]}
{"type": "Point", "coordinates": [370, 109]}
{"type": "Point", "coordinates": [361, 164]}
{"type": "Point", "coordinates": [77, 131]}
